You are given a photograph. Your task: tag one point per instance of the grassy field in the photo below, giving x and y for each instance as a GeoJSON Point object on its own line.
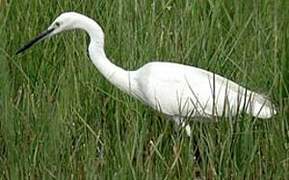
{"type": "Point", "coordinates": [60, 119]}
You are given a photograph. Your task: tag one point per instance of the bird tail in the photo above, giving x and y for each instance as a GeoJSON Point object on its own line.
{"type": "Point", "coordinates": [260, 106]}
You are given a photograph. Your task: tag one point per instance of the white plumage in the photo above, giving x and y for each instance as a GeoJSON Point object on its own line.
{"type": "Point", "coordinates": [177, 90]}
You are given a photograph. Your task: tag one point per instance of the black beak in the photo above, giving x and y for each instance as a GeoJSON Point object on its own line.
{"type": "Point", "coordinates": [35, 40]}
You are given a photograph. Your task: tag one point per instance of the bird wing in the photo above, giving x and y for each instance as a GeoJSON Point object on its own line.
{"type": "Point", "coordinates": [176, 89]}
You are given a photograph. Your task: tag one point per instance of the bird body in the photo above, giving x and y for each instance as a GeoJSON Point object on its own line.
{"type": "Point", "coordinates": [180, 90]}
{"type": "Point", "coordinates": [177, 90]}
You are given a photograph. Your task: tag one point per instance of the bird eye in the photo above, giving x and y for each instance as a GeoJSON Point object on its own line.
{"type": "Point", "coordinates": [57, 24]}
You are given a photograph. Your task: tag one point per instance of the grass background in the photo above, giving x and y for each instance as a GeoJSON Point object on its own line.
{"type": "Point", "coordinates": [60, 119]}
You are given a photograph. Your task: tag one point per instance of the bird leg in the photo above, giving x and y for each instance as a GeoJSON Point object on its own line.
{"type": "Point", "coordinates": [187, 128]}
{"type": "Point", "coordinates": [184, 124]}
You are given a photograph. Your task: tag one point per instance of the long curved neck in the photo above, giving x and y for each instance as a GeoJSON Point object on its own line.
{"type": "Point", "coordinates": [116, 75]}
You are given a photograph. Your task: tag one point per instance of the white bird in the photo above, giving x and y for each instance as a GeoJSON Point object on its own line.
{"type": "Point", "coordinates": [179, 91]}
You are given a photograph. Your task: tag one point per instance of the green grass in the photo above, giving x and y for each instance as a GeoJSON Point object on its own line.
{"type": "Point", "coordinates": [60, 119]}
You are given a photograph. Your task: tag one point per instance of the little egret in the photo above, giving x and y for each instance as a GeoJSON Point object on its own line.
{"type": "Point", "coordinates": [179, 91]}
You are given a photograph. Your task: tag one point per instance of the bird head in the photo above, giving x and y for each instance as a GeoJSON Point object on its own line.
{"type": "Point", "coordinates": [65, 21]}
